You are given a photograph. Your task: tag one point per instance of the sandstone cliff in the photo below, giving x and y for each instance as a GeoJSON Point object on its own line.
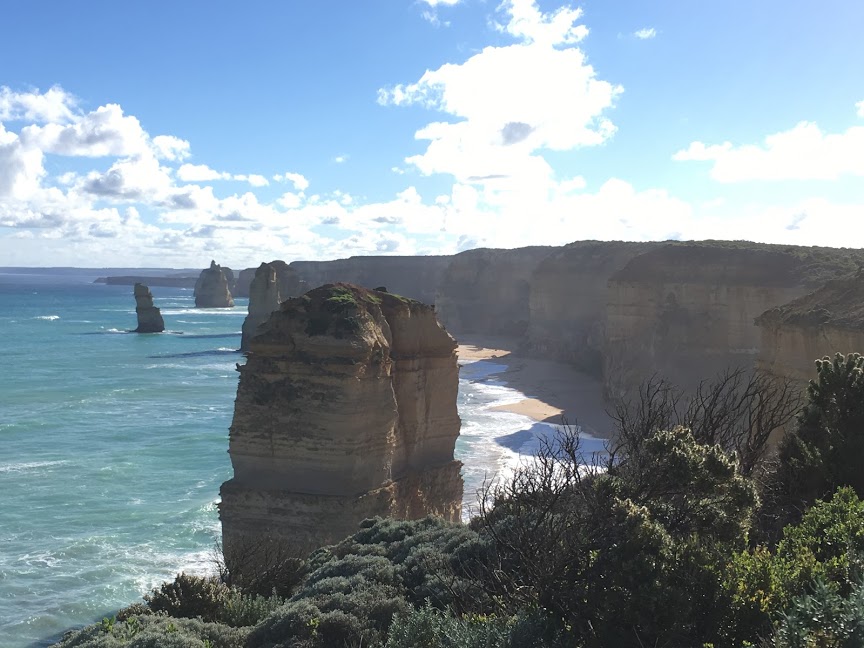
{"type": "Point", "coordinates": [212, 290]}
{"type": "Point", "coordinates": [149, 318]}
{"type": "Point", "coordinates": [290, 283]}
{"type": "Point", "coordinates": [568, 297]}
{"type": "Point", "coordinates": [416, 277]}
{"type": "Point", "coordinates": [487, 291]}
{"type": "Point", "coordinates": [822, 323]}
{"type": "Point", "coordinates": [264, 298]}
{"type": "Point", "coordinates": [687, 310]}
{"type": "Point", "coordinates": [346, 409]}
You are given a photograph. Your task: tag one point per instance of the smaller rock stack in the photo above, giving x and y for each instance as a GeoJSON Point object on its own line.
{"type": "Point", "coordinates": [264, 298]}
{"type": "Point", "coordinates": [149, 318]}
{"type": "Point", "coordinates": [213, 288]}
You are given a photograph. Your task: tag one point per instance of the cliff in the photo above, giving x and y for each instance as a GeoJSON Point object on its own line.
{"type": "Point", "coordinates": [264, 298]}
{"type": "Point", "coordinates": [212, 290]}
{"type": "Point", "coordinates": [149, 318]}
{"type": "Point", "coordinates": [346, 409]}
{"type": "Point", "coordinates": [416, 277]}
{"type": "Point", "coordinates": [567, 301]}
{"type": "Point", "coordinates": [821, 323]}
{"type": "Point", "coordinates": [487, 291]}
{"type": "Point", "coordinates": [686, 310]}
{"type": "Point", "coordinates": [290, 283]}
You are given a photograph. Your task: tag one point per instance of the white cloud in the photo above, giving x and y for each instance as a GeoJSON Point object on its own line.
{"type": "Point", "coordinates": [645, 33]}
{"type": "Point", "coordinates": [801, 153]}
{"type": "Point", "coordinates": [53, 105]}
{"type": "Point", "coordinates": [171, 148]}
{"type": "Point", "coordinates": [340, 159]}
{"type": "Point", "coordinates": [298, 180]}
{"type": "Point", "coordinates": [529, 24]}
{"type": "Point", "coordinates": [200, 173]}
{"type": "Point", "coordinates": [509, 103]}
{"type": "Point", "coordinates": [437, 3]}
{"type": "Point", "coordinates": [105, 131]}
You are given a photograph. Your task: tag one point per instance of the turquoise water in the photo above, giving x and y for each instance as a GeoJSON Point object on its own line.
{"type": "Point", "coordinates": [113, 446]}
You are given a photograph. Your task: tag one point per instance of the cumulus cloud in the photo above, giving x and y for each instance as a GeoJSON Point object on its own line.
{"type": "Point", "coordinates": [529, 24]}
{"type": "Point", "coordinates": [511, 102]}
{"type": "Point", "coordinates": [168, 147]}
{"type": "Point", "coordinates": [203, 173]}
{"type": "Point", "coordinates": [298, 180]}
{"type": "Point", "coordinates": [801, 153]}
{"type": "Point", "coordinates": [645, 33]}
{"type": "Point", "coordinates": [53, 105]}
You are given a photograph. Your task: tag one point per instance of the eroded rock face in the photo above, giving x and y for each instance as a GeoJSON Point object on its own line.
{"type": "Point", "coordinates": [346, 409]}
{"type": "Point", "coordinates": [213, 288]}
{"type": "Point", "coordinates": [568, 299]}
{"type": "Point", "coordinates": [687, 311]}
{"type": "Point", "coordinates": [822, 323]}
{"type": "Point", "coordinates": [264, 298]}
{"type": "Point", "coordinates": [487, 291]}
{"type": "Point", "coordinates": [291, 284]}
{"type": "Point", "coordinates": [149, 318]}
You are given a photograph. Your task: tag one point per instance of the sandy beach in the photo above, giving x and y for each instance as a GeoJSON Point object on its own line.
{"type": "Point", "coordinates": [553, 391]}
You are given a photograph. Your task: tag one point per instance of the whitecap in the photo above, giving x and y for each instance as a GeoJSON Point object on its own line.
{"type": "Point", "coordinates": [27, 466]}
{"type": "Point", "coordinates": [50, 318]}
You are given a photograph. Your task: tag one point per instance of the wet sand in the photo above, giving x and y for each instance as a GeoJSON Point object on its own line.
{"type": "Point", "coordinates": [554, 391]}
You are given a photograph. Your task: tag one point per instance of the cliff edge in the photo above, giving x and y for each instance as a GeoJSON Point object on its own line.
{"type": "Point", "coordinates": [824, 322]}
{"type": "Point", "coordinates": [346, 409]}
{"type": "Point", "coordinates": [264, 298]}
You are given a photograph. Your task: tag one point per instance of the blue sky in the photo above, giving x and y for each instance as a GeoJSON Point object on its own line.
{"type": "Point", "coordinates": [160, 133]}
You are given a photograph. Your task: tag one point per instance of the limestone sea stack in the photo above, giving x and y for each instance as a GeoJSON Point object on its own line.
{"type": "Point", "coordinates": [346, 409]}
{"type": "Point", "coordinates": [149, 318]}
{"type": "Point", "coordinates": [212, 289]}
{"type": "Point", "coordinates": [264, 298]}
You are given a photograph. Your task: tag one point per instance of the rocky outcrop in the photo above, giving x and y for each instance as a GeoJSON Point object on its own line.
{"type": "Point", "coordinates": [264, 298]}
{"type": "Point", "coordinates": [487, 291]}
{"type": "Point", "coordinates": [289, 281]}
{"type": "Point", "coordinates": [149, 318]}
{"type": "Point", "coordinates": [568, 298]}
{"type": "Point", "coordinates": [822, 323]}
{"type": "Point", "coordinates": [686, 310]}
{"type": "Point", "coordinates": [346, 409]}
{"type": "Point", "coordinates": [417, 277]}
{"type": "Point", "coordinates": [212, 290]}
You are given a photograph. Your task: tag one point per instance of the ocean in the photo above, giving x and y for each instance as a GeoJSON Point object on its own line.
{"type": "Point", "coordinates": [113, 446]}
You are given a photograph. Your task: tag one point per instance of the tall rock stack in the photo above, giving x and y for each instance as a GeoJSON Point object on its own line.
{"type": "Point", "coordinates": [149, 318]}
{"type": "Point", "coordinates": [264, 298]}
{"type": "Point", "coordinates": [346, 409]}
{"type": "Point", "coordinates": [212, 289]}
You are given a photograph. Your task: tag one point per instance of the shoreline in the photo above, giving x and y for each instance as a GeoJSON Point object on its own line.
{"type": "Point", "coordinates": [553, 392]}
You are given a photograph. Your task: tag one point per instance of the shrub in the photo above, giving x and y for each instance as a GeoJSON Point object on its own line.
{"type": "Point", "coordinates": [151, 631]}
{"type": "Point", "coordinates": [823, 619]}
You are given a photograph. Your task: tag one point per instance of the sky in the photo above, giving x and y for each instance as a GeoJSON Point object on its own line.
{"type": "Point", "coordinates": [167, 134]}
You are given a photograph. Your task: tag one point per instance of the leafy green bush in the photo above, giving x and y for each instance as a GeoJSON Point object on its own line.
{"type": "Point", "coordinates": [824, 619]}
{"type": "Point", "coordinates": [827, 546]}
{"type": "Point", "coordinates": [189, 597]}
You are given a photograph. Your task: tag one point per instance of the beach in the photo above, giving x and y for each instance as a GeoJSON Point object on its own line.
{"type": "Point", "coordinates": [554, 392]}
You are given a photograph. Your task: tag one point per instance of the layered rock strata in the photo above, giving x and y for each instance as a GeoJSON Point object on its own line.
{"type": "Point", "coordinates": [488, 291]}
{"type": "Point", "coordinates": [290, 283]}
{"type": "Point", "coordinates": [346, 409]}
{"type": "Point", "coordinates": [212, 290]}
{"type": "Point", "coordinates": [149, 317]}
{"type": "Point", "coordinates": [822, 323]}
{"type": "Point", "coordinates": [687, 310]}
{"type": "Point", "coordinates": [264, 298]}
{"type": "Point", "coordinates": [568, 298]}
